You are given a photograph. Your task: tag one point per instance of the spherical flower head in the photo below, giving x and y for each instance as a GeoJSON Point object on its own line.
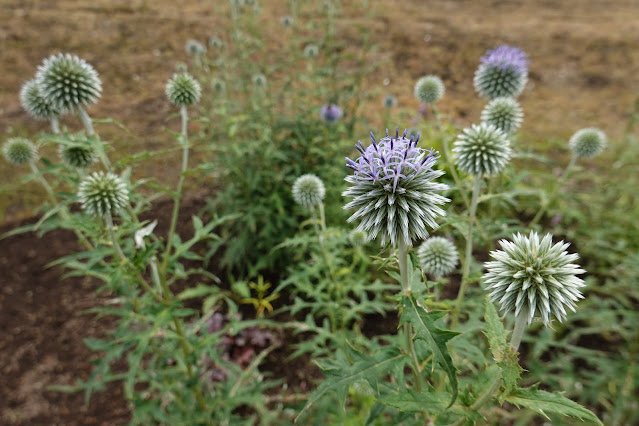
{"type": "Point", "coordinates": [194, 48]}
{"type": "Point", "coordinates": [534, 276]}
{"type": "Point", "coordinates": [259, 80]}
{"type": "Point", "coordinates": [429, 89]}
{"type": "Point", "coordinates": [390, 101]}
{"type": "Point", "coordinates": [79, 154]}
{"type": "Point", "coordinates": [357, 238]}
{"type": "Point", "coordinates": [588, 142]}
{"type": "Point", "coordinates": [330, 113]}
{"type": "Point", "coordinates": [394, 190]}
{"type": "Point", "coordinates": [308, 191]}
{"type": "Point", "coordinates": [35, 104]}
{"type": "Point", "coordinates": [503, 71]}
{"type": "Point", "coordinates": [67, 82]}
{"type": "Point", "coordinates": [482, 150]}
{"type": "Point", "coordinates": [183, 90]}
{"type": "Point", "coordinates": [438, 256]}
{"type": "Point", "coordinates": [218, 85]}
{"type": "Point", "coordinates": [503, 113]}
{"type": "Point", "coordinates": [216, 43]}
{"type": "Point", "coordinates": [311, 51]}
{"type": "Point", "coordinates": [103, 193]}
{"type": "Point", "coordinates": [19, 151]}
{"type": "Point", "coordinates": [287, 20]}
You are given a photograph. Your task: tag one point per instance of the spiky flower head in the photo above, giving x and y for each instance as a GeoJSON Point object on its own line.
{"type": "Point", "coordinates": [390, 101]}
{"type": "Point", "coordinates": [79, 153]}
{"type": "Point", "coordinates": [533, 276]}
{"type": "Point", "coordinates": [503, 71]}
{"type": "Point", "coordinates": [259, 80]}
{"type": "Point", "coordinates": [330, 113]}
{"type": "Point", "coordinates": [216, 43]}
{"type": "Point", "coordinates": [438, 256]}
{"type": "Point", "coordinates": [482, 150]}
{"type": "Point", "coordinates": [194, 48]}
{"type": "Point", "coordinates": [287, 20]}
{"type": "Point", "coordinates": [357, 238]}
{"type": "Point", "coordinates": [183, 90]}
{"type": "Point", "coordinates": [308, 190]}
{"type": "Point", "coordinates": [503, 113]}
{"type": "Point", "coordinates": [218, 85]}
{"type": "Point", "coordinates": [67, 82]}
{"type": "Point", "coordinates": [393, 189]}
{"type": "Point", "coordinates": [103, 193]}
{"type": "Point", "coordinates": [19, 151]}
{"type": "Point", "coordinates": [35, 104]}
{"type": "Point", "coordinates": [429, 89]}
{"type": "Point", "coordinates": [311, 51]}
{"type": "Point", "coordinates": [588, 142]}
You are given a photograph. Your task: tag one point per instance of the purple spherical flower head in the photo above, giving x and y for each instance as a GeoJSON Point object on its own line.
{"type": "Point", "coordinates": [330, 113]}
{"type": "Point", "coordinates": [505, 58]}
{"type": "Point", "coordinates": [393, 189]}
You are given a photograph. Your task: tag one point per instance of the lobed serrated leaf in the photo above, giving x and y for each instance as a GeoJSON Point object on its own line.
{"type": "Point", "coordinates": [503, 354]}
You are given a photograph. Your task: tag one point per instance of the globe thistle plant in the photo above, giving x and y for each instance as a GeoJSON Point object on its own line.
{"type": "Point", "coordinates": [35, 104]}
{"type": "Point", "coordinates": [287, 20]}
{"type": "Point", "coordinates": [311, 51]}
{"type": "Point", "coordinates": [194, 48]}
{"type": "Point", "coordinates": [390, 101]}
{"type": "Point", "coordinates": [357, 238]}
{"type": "Point", "coordinates": [20, 151]}
{"type": "Point", "coordinates": [67, 82]}
{"type": "Point", "coordinates": [103, 194]}
{"type": "Point", "coordinates": [503, 71]}
{"type": "Point", "coordinates": [183, 90]}
{"type": "Point", "coordinates": [79, 154]}
{"type": "Point", "coordinates": [216, 43]}
{"type": "Point", "coordinates": [330, 113]}
{"type": "Point", "coordinates": [532, 276]}
{"type": "Point", "coordinates": [482, 150]}
{"type": "Point", "coordinates": [438, 256]}
{"type": "Point", "coordinates": [394, 190]}
{"type": "Point", "coordinates": [503, 113]}
{"type": "Point", "coordinates": [588, 142]}
{"type": "Point", "coordinates": [259, 80]}
{"type": "Point", "coordinates": [429, 89]}
{"type": "Point", "coordinates": [308, 191]}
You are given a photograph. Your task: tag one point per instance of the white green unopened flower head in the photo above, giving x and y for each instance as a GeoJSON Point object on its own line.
{"type": "Point", "coordinates": [482, 150]}
{"type": "Point", "coordinates": [67, 82]}
{"type": "Point", "coordinates": [78, 154]}
{"type": "Point", "coordinates": [259, 80]}
{"type": "Point", "coordinates": [19, 151]}
{"type": "Point", "coordinates": [287, 20]}
{"type": "Point", "coordinates": [438, 256]}
{"type": "Point", "coordinates": [503, 71]}
{"type": "Point", "coordinates": [217, 84]}
{"type": "Point", "coordinates": [429, 89]}
{"type": "Point", "coordinates": [357, 238]}
{"type": "Point", "coordinates": [308, 190]}
{"type": "Point", "coordinates": [588, 142]}
{"type": "Point", "coordinates": [311, 51]}
{"type": "Point", "coordinates": [394, 190]}
{"type": "Point", "coordinates": [503, 113]}
{"type": "Point", "coordinates": [534, 276]}
{"type": "Point", "coordinates": [35, 104]}
{"type": "Point", "coordinates": [390, 101]}
{"type": "Point", "coordinates": [195, 48]}
{"type": "Point", "coordinates": [183, 90]}
{"type": "Point", "coordinates": [216, 43]}
{"type": "Point", "coordinates": [103, 193]}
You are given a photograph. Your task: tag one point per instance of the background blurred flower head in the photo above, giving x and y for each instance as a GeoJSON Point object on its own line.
{"type": "Point", "coordinates": [503, 71]}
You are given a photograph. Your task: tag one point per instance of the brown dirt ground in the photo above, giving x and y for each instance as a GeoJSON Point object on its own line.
{"type": "Point", "coordinates": [584, 72]}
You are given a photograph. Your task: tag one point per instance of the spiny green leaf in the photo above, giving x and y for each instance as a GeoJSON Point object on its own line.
{"type": "Point", "coordinates": [424, 323]}
{"type": "Point", "coordinates": [430, 402]}
{"type": "Point", "coordinates": [340, 375]}
{"type": "Point", "coordinates": [542, 402]}
{"type": "Point", "coordinates": [504, 355]}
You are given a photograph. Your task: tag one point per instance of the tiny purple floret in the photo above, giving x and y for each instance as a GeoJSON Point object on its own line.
{"type": "Point", "coordinates": [330, 113]}
{"type": "Point", "coordinates": [506, 57]}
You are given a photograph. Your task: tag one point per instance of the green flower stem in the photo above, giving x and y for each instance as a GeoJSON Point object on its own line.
{"type": "Point", "coordinates": [109, 224]}
{"type": "Point", "coordinates": [554, 193]}
{"type": "Point", "coordinates": [86, 121]}
{"type": "Point", "coordinates": [155, 275]}
{"type": "Point", "coordinates": [520, 325]}
{"type": "Point", "coordinates": [402, 258]}
{"type": "Point", "coordinates": [178, 193]}
{"type": "Point", "coordinates": [322, 216]}
{"type": "Point", "coordinates": [55, 126]}
{"type": "Point", "coordinates": [469, 251]}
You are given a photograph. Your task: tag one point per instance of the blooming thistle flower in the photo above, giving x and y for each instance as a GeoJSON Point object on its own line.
{"type": "Point", "coordinates": [393, 189]}
{"type": "Point", "coordinates": [429, 89]}
{"type": "Point", "coordinates": [438, 256]}
{"type": "Point", "coordinates": [503, 113]}
{"type": "Point", "coordinates": [311, 51]}
{"type": "Point", "coordinates": [503, 71]}
{"type": "Point", "coordinates": [482, 150]}
{"type": "Point", "coordinates": [535, 276]}
{"type": "Point", "coordinates": [588, 142]}
{"type": "Point", "coordinates": [183, 90]}
{"type": "Point", "coordinates": [67, 82]}
{"type": "Point", "coordinates": [308, 190]}
{"type": "Point", "coordinates": [79, 154]}
{"type": "Point", "coordinates": [19, 151]}
{"type": "Point", "coordinates": [103, 193]}
{"type": "Point", "coordinates": [330, 113]}
{"type": "Point", "coordinates": [194, 48]}
{"type": "Point", "coordinates": [35, 104]}
{"type": "Point", "coordinates": [390, 101]}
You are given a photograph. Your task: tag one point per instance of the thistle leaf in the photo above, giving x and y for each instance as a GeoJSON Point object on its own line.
{"type": "Point", "coordinates": [424, 323]}
{"type": "Point", "coordinates": [503, 354]}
